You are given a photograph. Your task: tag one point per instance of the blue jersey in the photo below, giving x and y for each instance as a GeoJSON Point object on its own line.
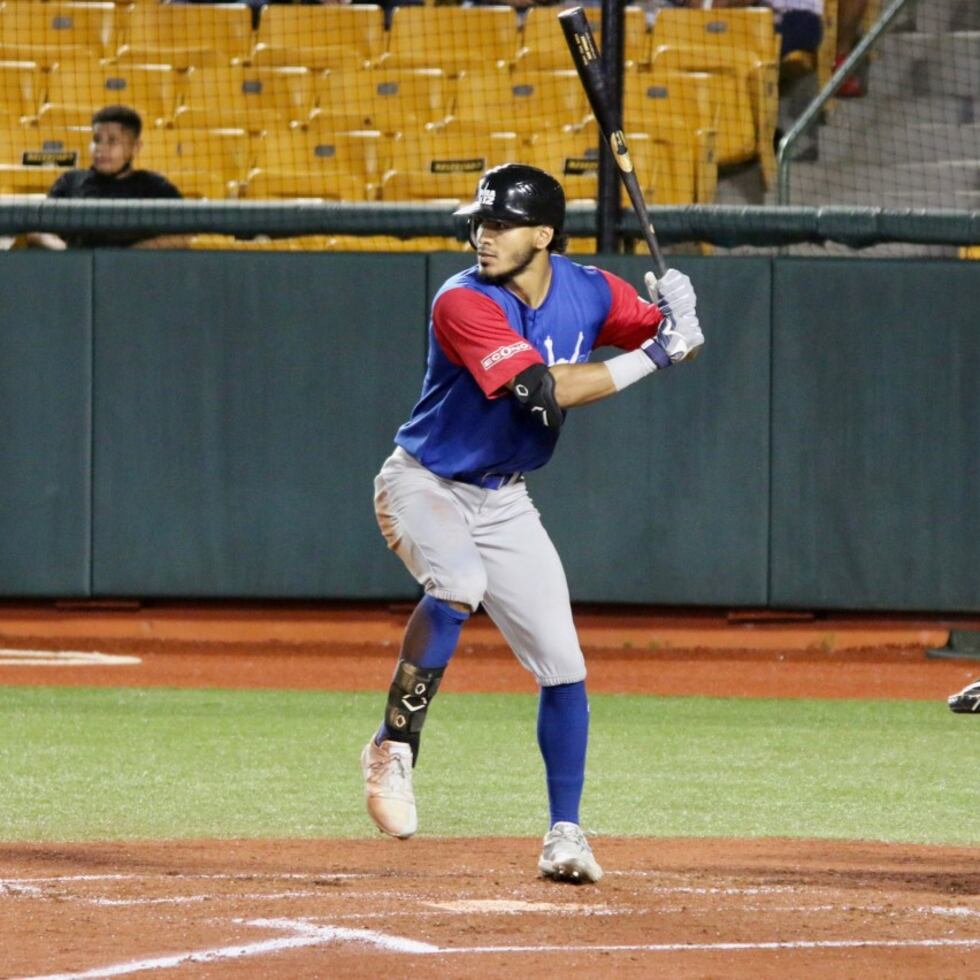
{"type": "Point", "coordinates": [467, 425]}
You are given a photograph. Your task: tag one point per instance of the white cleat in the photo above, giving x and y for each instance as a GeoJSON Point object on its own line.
{"type": "Point", "coordinates": [387, 770]}
{"type": "Point", "coordinates": [566, 855]}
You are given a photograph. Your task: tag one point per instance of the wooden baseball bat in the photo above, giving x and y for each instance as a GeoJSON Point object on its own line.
{"type": "Point", "coordinates": [588, 63]}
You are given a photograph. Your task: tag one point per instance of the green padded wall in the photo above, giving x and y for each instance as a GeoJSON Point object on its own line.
{"type": "Point", "coordinates": [876, 435]}
{"type": "Point", "coordinates": [243, 404]}
{"type": "Point", "coordinates": [661, 494]}
{"type": "Point", "coordinates": [45, 404]}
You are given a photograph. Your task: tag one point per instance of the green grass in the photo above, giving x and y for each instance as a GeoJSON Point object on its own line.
{"type": "Point", "coordinates": [105, 763]}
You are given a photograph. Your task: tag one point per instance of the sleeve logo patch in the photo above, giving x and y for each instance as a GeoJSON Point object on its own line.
{"type": "Point", "coordinates": [502, 353]}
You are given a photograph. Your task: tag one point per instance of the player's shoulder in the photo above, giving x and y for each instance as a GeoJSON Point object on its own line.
{"type": "Point", "coordinates": [466, 287]}
{"type": "Point", "coordinates": [575, 274]}
{"type": "Point", "coordinates": [69, 183]}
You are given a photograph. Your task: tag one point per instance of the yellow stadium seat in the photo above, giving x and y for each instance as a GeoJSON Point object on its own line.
{"type": "Point", "coordinates": [636, 37]}
{"type": "Point", "coordinates": [390, 101]}
{"type": "Point", "coordinates": [51, 32]}
{"type": "Point", "coordinates": [310, 164]}
{"type": "Point", "coordinates": [255, 99]}
{"type": "Point", "coordinates": [664, 164]}
{"type": "Point", "coordinates": [678, 102]}
{"type": "Point", "coordinates": [187, 35]}
{"type": "Point", "coordinates": [319, 37]}
{"type": "Point", "coordinates": [21, 90]}
{"type": "Point", "coordinates": [32, 158]}
{"type": "Point", "coordinates": [296, 243]}
{"type": "Point", "coordinates": [391, 243]}
{"type": "Point", "coordinates": [202, 163]}
{"type": "Point", "coordinates": [454, 39]}
{"type": "Point", "coordinates": [445, 164]}
{"type": "Point", "coordinates": [524, 103]}
{"type": "Point", "coordinates": [739, 47]}
{"type": "Point", "coordinates": [76, 90]}
{"type": "Point", "coordinates": [543, 46]}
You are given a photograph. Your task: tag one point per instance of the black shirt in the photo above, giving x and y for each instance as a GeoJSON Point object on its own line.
{"type": "Point", "coordinates": [90, 183]}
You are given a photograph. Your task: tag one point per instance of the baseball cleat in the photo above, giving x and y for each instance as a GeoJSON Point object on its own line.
{"type": "Point", "coordinates": [967, 701]}
{"type": "Point", "coordinates": [566, 855]}
{"type": "Point", "coordinates": [387, 770]}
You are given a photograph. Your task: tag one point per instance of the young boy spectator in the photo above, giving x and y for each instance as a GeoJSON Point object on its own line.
{"type": "Point", "coordinates": [116, 133]}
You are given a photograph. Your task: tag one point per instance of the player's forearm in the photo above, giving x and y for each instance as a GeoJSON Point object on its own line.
{"type": "Point", "coordinates": [580, 384]}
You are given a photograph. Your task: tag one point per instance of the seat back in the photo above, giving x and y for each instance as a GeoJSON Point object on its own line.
{"type": "Point", "coordinates": [202, 163]}
{"type": "Point", "coordinates": [388, 100]}
{"type": "Point", "coordinates": [32, 158]}
{"type": "Point", "coordinates": [319, 37]}
{"type": "Point", "coordinates": [21, 90]}
{"type": "Point", "coordinates": [188, 35]}
{"type": "Point", "coordinates": [452, 38]}
{"type": "Point", "coordinates": [75, 90]}
{"type": "Point", "coordinates": [525, 103]}
{"type": "Point", "coordinates": [714, 33]}
{"type": "Point", "coordinates": [51, 32]}
{"type": "Point", "coordinates": [255, 99]}
{"type": "Point", "coordinates": [543, 46]}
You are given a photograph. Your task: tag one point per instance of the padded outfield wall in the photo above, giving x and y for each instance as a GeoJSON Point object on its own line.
{"type": "Point", "coordinates": [209, 425]}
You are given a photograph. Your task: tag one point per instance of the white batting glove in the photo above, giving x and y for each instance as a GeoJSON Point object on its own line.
{"type": "Point", "coordinates": [677, 340]}
{"type": "Point", "coordinates": [673, 293]}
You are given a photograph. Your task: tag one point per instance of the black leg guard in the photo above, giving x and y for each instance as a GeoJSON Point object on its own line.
{"type": "Point", "coordinates": [412, 688]}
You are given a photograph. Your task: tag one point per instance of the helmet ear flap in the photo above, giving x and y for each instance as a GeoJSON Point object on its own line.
{"type": "Point", "coordinates": [474, 223]}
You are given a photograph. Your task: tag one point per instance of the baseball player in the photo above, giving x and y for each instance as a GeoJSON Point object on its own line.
{"type": "Point", "coordinates": [509, 347]}
{"type": "Point", "coordinates": [967, 701]}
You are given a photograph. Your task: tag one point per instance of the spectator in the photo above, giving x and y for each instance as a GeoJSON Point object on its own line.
{"type": "Point", "coordinates": [115, 142]}
{"type": "Point", "coordinates": [850, 14]}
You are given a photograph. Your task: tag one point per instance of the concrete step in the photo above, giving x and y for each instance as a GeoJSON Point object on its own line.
{"type": "Point", "coordinates": [936, 16]}
{"type": "Point", "coordinates": [914, 185]}
{"type": "Point", "coordinates": [875, 111]}
{"type": "Point", "coordinates": [890, 144]}
{"type": "Point", "coordinates": [918, 64]}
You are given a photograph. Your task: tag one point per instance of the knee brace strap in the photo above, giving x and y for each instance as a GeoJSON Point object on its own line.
{"type": "Point", "coordinates": [412, 688]}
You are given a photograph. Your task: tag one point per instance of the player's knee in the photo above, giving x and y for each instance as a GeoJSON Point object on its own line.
{"type": "Point", "coordinates": [466, 589]}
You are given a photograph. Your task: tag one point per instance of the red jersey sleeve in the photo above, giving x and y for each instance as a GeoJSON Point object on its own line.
{"type": "Point", "coordinates": [630, 320]}
{"type": "Point", "coordinates": [473, 332]}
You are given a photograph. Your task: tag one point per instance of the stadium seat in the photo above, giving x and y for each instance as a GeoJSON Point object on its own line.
{"type": "Point", "coordinates": [636, 37]}
{"type": "Point", "coordinates": [47, 33]}
{"type": "Point", "coordinates": [678, 103]}
{"type": "Point", "coordinates": [739, 47]}
{"type": "Point", "coordinates": [21, 91]}
{"type": "Point", "coordinates": [76, 90]}
{"type": "Point", "coordinates": [228, 243]}
{"type": "Point", "coordinates": [255, 99]}
{"type": "Point", "coordinates": [391, 243]}
{"type": "Point", "coordinates": [663, 165]}
{"type": "Point", "coordinates": [187, 35]}
{"type": "Point", "coordinates": [543, 46]}
{"type": "Point", "coordinates": [390, 101]}
{"type": "Point", "coordinates": [306, 163]}
{"type": "Point", "coordinates": [525, 103]}
{"type": "Point", "coordinates": [319, 37]}
{"type": "Point", "coordinates": [32, 158]}
{"type": "Point", "coordinates": [454, 39]}
{"type": "Point", "coordinates": [445, 164]}
{"type": "Point", "coordinates": [202, 163]}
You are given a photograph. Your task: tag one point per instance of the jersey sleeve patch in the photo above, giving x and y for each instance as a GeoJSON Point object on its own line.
{"type": "Point", "coordinates": [630, 320]}
{"type": "Point", "coordinates": [473, 332]}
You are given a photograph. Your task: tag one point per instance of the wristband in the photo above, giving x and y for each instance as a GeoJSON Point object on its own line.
{"type": "Point", "coordinates": [627, 369]}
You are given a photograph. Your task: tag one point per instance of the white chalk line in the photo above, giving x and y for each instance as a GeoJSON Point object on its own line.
{"type": "Point", "coordinates": [64, 658]}
{"type": "Point", "coordinates": [306, 934]}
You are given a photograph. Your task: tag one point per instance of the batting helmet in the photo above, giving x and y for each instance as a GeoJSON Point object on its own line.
{"type": "Point", "coordinates": [520, 194]}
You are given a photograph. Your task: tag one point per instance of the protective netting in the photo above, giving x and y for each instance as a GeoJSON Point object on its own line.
{"type": "Point", "coordinates": [408, 104]}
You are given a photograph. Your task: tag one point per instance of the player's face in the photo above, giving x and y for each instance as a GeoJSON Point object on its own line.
{"type": "Point", "coordinates": [113, 148]}
{"type": "Point", "coordinates": [504, 251]}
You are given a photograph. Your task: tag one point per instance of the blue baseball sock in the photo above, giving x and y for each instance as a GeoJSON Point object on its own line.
{"type": "Point", "coordinates": [563, 735]}
{"type": "Point", "coordinates": [430, 640]}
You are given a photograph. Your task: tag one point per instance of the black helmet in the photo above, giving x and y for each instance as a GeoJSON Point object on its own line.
{"type": "Point", "coordinates": [520, 194]}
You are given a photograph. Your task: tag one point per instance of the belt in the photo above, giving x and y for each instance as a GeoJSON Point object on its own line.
{"type": "Point", "coordinates": [493, 481]}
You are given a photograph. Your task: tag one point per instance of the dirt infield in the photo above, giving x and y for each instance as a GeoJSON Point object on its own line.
{"type": "Point", "coordinates": [476, 908]}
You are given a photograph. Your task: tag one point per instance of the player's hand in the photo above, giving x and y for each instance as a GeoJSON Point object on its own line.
{"type": "Point", "coordinates": [673, 293]}
{"type": "Point", "coordinates": [677, 340]}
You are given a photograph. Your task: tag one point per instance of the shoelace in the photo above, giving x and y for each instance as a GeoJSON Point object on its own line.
{"type": "Point", "coordinates": [389, 771]}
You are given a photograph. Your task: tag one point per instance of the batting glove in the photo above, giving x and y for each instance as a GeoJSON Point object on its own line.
{"type": "Point", "coordinates": [677, 340]}
{"type": "Point", "coordinates": [673, 293]}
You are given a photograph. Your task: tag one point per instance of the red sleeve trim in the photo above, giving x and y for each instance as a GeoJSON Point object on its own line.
{"type": "Point", "coordinates": [473, 332]}
{"type": "Point", "coordinates": [631, 319]}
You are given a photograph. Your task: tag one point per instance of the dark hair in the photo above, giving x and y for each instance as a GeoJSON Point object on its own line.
{"type": "Point", "coordinates": [558, 243]}
{"type": "Point", "coordinates": [122, 114]}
